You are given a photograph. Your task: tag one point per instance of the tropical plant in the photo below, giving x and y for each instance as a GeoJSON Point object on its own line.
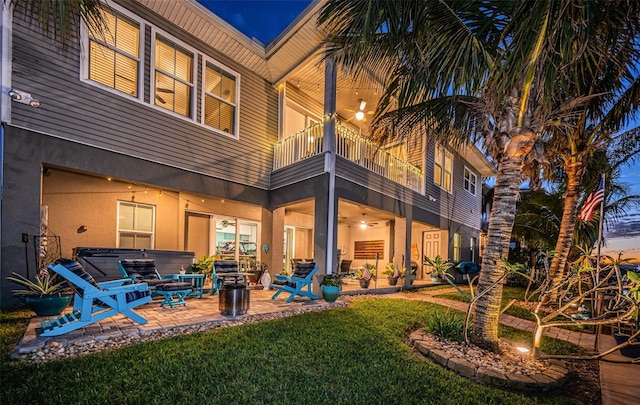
{"type": "Point", "coordinates": [202, 265]}
{"type": "Point", "coordinates": [332, 280]}
{"type": "Point", "coordinates": [391, 271]}
{"type": "Point", "coordinates": [439, 267]}
{"type": "Point", "coordinates": [44, 284]}
{"type": "Point", "coordinates": [371, 275]}
{"type": "Point", "coordinates": [465, 69]}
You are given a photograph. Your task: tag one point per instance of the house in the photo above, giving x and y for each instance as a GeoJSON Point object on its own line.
{"type": "Point", "coordinates": [175, 132]}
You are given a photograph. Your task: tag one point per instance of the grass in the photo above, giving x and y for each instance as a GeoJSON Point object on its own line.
{"type": "Point", "coordinates": [354, 355]}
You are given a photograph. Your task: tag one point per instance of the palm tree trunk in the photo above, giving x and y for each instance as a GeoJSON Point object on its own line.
{"type": "Point", "coordinates": [557, 271]}
{"type": "Point", "coordinates": [503, 213]}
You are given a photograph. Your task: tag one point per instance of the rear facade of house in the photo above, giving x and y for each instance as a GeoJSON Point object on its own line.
{"type": "Point", "coordinates": [173, 132]}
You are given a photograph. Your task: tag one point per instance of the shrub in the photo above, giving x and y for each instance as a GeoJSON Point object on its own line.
{"type": "Point", "coordinates": [446, 324]}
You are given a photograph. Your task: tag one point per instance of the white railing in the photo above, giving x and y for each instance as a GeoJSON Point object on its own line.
{"type": "Point", "coordinates": [350, 145]}
{"type": "Point", "coordinates": [301, 145]}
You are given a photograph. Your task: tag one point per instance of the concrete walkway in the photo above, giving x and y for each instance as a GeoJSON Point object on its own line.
{"type": "Point", "coordinates": [618, 381]}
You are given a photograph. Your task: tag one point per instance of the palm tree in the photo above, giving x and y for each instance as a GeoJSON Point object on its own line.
{"type": "Point", "coordinates": [61, 18]}
{"type": "Point", "coordinates": [539, 212]}
{"type": "Point", "coordinates": [467, 69]}
{"type": "Point", "coordinates": [612, 93]}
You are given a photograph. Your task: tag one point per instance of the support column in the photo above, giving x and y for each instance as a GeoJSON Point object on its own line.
{"type": "Point", "coordinates": [277, 242]}
{"type": "Point", "coordinates": [329, 146]}
{"type": "Point", "coordinates": [407, 246]}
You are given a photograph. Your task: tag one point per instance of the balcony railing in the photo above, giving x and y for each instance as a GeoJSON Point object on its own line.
{"type": "Point", "coordinates": [350, 145]}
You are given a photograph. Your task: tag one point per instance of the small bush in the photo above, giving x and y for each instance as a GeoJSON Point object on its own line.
{"type": "Point", "coordinates": [446, 324]}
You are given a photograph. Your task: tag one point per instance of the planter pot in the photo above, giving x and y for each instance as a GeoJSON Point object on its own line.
{"type": "Point", "coordinates": [330, 293]}
{"type": "Point", "coordinates": [392, 280]}
{"type": "Point", "coordinates": [49, 304]}
{"type": "Point", "coordinates": [629, 351]}
{"type": "Point", "coordinates": [435, 279]}
{"type": "Point", "coordinates": [364, 283]}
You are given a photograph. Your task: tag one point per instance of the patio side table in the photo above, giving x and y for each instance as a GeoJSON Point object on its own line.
{"type": "Point", "coordinates": [196, 281]}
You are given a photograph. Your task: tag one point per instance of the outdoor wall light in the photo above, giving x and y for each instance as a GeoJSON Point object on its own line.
{"type": "Point", "coordinates": [24, 98]}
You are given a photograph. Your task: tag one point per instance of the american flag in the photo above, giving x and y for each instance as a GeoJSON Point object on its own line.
{"type": "Point", "coordinates": [366, 274]}
{"type": "Point", "coordinates": [592, 202]}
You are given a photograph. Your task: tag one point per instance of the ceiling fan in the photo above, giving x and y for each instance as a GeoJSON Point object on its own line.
{"type": "Point", "coordinates": [364, 223]}
{"type": "Point", "coordinates": [360, 114]}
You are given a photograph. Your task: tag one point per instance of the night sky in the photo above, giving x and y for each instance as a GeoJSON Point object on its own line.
{"type": "Point", "coordinates": [261, 19]}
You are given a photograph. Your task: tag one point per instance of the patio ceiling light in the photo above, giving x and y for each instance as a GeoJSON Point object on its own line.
{"type": "Point", "coordinates": [361, 106]}
{"type": "Point", "coordinates": [363, 223]}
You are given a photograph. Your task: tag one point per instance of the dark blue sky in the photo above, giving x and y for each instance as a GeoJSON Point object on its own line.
{"type": "Point", "coordinates": [262, 19]}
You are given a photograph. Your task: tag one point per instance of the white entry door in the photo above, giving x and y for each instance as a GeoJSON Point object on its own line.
{"type": "Point", "coordinates": [430, 247]}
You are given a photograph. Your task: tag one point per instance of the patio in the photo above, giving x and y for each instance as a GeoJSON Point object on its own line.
{"type": "Point", "coordinates": [198, 314]}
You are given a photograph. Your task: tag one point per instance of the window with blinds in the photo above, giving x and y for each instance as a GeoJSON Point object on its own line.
{"type": "Point", "coordinates": [114, 57]}
{"type": "Point", "coordinates": [220, 99]}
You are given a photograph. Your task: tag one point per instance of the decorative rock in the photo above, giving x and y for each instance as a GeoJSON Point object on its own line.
{"type": "Point", "coordinates": [508, 369]}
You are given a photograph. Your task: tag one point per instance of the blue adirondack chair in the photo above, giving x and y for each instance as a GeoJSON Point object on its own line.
{"type": "Point", "coordinates": [299, 283]}
{"type": "Point", "coordinates": [93, 301]}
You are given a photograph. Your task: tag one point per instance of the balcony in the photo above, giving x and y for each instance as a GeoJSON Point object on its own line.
{"type": "Point", "coordinates": [352, 146]}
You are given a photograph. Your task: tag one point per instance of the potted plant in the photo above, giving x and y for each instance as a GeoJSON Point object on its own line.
{"type": "Point", "coordinates": [392, 274]}
{"type": "Point", "coordinates": [439, 268]}
{"type": "Point", "coordinates": [365, 274]}
{"type": "Point", "coordinates": [330, 286]}
{"type": "Point", "coordinates": [47, 295]}
{"type": "Point", "coordinates": [409, 276]}
{"type": "Point", "coordinates": [202, 265]}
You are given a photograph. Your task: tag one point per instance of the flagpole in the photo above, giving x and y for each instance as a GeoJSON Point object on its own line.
{"type": "Point", "coordinates": [598, 303]}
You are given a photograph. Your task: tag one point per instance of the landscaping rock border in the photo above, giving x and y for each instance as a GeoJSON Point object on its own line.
{"type": "Point", "coordinates": [550, 377]}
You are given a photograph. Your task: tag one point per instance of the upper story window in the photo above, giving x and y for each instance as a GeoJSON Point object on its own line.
{"type": "Point", "coordinates": [220, 99]}
{"type": "Point", "coordinates": [443, 168]}
{"type": "Point", "coordinates": [114, 57]}
{"type": "Point", "coordinates": [136, 223]}
{"type": "Point", "coordinates": [470, 181]}
{"type": "Point", "coordinates": [174, 78]}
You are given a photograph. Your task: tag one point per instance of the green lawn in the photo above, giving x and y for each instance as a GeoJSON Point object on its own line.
{"type": "Point", "coordinates": [354, 355]}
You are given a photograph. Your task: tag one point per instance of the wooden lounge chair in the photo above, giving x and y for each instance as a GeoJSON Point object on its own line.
{"type": "Point", "coordinates": [93, 301]}
{"type": "Point", "coordinates": [299, 283]}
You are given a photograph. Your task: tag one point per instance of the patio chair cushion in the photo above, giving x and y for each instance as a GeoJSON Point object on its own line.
{"type": "Point", "coordinates": [225, 266]}
{"type": "Point", "coordinates": [303, 269]}
{"type": "Point", "coordinates": [77, 269]}
{"type": "Point", "coordinates": [174, 287]}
